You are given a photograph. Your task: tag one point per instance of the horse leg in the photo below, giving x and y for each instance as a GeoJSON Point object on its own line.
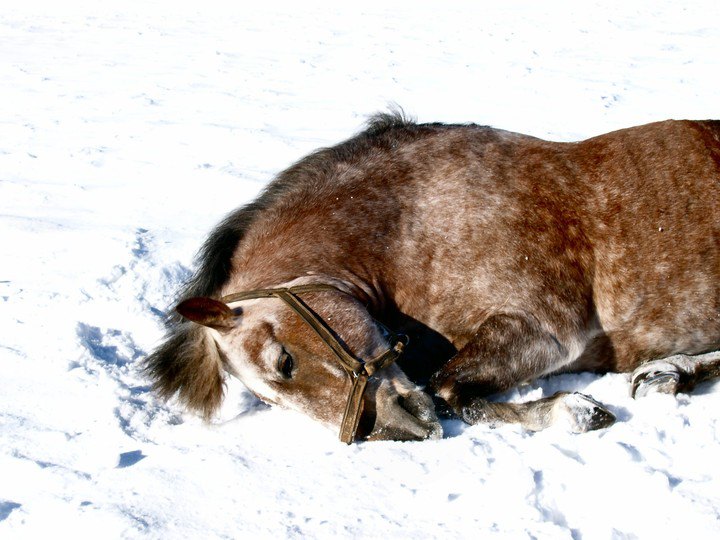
{"type": "Point", "coordinates": [506, 351]}
{"type": "Point", "coordinates": [577, 412]}
{"type": "Point", "coordinates": [678, 373]}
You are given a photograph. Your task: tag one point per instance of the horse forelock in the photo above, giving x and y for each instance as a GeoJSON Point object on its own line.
{"type": "Point", "coordinates": [189, 364]}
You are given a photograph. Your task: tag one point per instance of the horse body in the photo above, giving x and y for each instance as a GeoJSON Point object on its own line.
{"type": "Point", "coordinates": [520, 257]}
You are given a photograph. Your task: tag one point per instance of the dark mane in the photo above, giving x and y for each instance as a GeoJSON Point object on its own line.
{"type": "Point", "coordinates": [213, 261]}
{"type": "Point", "coordinates": [381, 122]}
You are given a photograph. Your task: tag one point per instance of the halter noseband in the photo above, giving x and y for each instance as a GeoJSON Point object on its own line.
{"type": "Point", "coordinates": [358, 370]}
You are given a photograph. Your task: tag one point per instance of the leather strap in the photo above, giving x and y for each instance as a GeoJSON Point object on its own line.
{"type": "Point", "coordinates": [350, 364]}
{"type": "Point", "coordinates": [353, 409]}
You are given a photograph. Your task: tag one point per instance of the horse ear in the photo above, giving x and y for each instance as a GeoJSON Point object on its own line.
{"type": "Point", "coordinates": [207, 312]}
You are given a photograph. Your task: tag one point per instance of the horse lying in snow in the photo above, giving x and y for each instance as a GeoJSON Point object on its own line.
{"type": "Point", "coordinates": [466, 258]}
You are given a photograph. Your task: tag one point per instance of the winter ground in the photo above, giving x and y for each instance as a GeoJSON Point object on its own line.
{"type": "Point", "coordinates": [127, 131]}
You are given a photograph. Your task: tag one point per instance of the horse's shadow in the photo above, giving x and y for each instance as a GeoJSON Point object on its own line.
{"type": "Point", "coordinates": [426, 351]}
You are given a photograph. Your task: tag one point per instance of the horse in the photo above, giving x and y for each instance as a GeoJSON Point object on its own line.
{"type": "Point", "coordinates": [416, 270]}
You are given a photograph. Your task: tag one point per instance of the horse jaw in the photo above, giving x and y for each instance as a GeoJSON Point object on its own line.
{"type": "Point", "coordinates": [403, 414]}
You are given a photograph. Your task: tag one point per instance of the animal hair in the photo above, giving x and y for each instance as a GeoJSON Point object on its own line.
{"type": "Point", "coordinates": [189, 364]}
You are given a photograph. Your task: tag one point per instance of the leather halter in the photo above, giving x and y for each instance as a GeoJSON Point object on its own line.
{"type": "Point", "coordinates": [359, 371]}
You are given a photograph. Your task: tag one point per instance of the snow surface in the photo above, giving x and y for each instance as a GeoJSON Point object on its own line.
{"type": "Point", "coordinates": [128, 129]}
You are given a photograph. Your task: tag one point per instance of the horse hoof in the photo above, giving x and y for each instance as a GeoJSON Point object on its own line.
{"type": "Point", "coordinates": [659, 382]}
{"type": "Point", "coordinates": [581, 413]}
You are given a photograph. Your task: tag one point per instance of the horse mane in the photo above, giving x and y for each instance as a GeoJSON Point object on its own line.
{"type": "Point", "coordinates": [215, 256]}
{"type": "Point", "coordinates": [188, 363]}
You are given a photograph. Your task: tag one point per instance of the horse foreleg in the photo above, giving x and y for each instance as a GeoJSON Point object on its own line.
{"type": "Point", "coordinates": [678, 373]}
{"type": "Point", "coordinates": [507, 350]}
{"type": "Point", "coordinates": [577, 412]}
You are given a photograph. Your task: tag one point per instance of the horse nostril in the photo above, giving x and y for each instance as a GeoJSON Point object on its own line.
{"type": "Point", "coordinates": [401, 402]}
{"type": "Point", "coordinates": [411, 404]}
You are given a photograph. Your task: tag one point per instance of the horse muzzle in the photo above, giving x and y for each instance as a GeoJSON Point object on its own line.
{"type": "Point", "coordinates": [406, 417]}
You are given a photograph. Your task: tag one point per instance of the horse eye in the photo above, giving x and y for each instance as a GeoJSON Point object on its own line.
{"type": "Point", "coordinates": [285, 365]}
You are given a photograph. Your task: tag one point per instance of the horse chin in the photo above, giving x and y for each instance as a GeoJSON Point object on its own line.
{"type": "Point", "coordinates": [406, 417]}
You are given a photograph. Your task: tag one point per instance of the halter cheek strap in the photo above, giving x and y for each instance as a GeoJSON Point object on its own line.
{"type": "Point", "coordinates": [359, 371]}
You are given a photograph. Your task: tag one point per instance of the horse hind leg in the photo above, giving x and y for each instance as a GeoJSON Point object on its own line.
{"type": "Point", "coordinates": [678, 373]}
{"type": "Point", "coordinates": [577, 412]}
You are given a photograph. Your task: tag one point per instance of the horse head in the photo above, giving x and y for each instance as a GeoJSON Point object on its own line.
{"type": "Point", "coordinates": [316, 349]}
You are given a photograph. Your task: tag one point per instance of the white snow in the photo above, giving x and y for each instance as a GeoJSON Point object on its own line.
{"type": "Point", "coordinates": [128, 129]}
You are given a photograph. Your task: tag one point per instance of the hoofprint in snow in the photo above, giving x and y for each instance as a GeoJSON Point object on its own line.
{"type": "Point", "coordinates": [127, 131]}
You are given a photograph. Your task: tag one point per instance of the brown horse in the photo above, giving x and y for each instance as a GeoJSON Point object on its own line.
{"type": "Point", "coordinates": [501, 257]}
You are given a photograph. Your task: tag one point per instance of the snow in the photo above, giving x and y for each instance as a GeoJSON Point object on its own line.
{"type": "Point", "coordinates": [128, 129]}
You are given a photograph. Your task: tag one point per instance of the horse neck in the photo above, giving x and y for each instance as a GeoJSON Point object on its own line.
{"type": "Point", "coordinates": [319, 254]}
